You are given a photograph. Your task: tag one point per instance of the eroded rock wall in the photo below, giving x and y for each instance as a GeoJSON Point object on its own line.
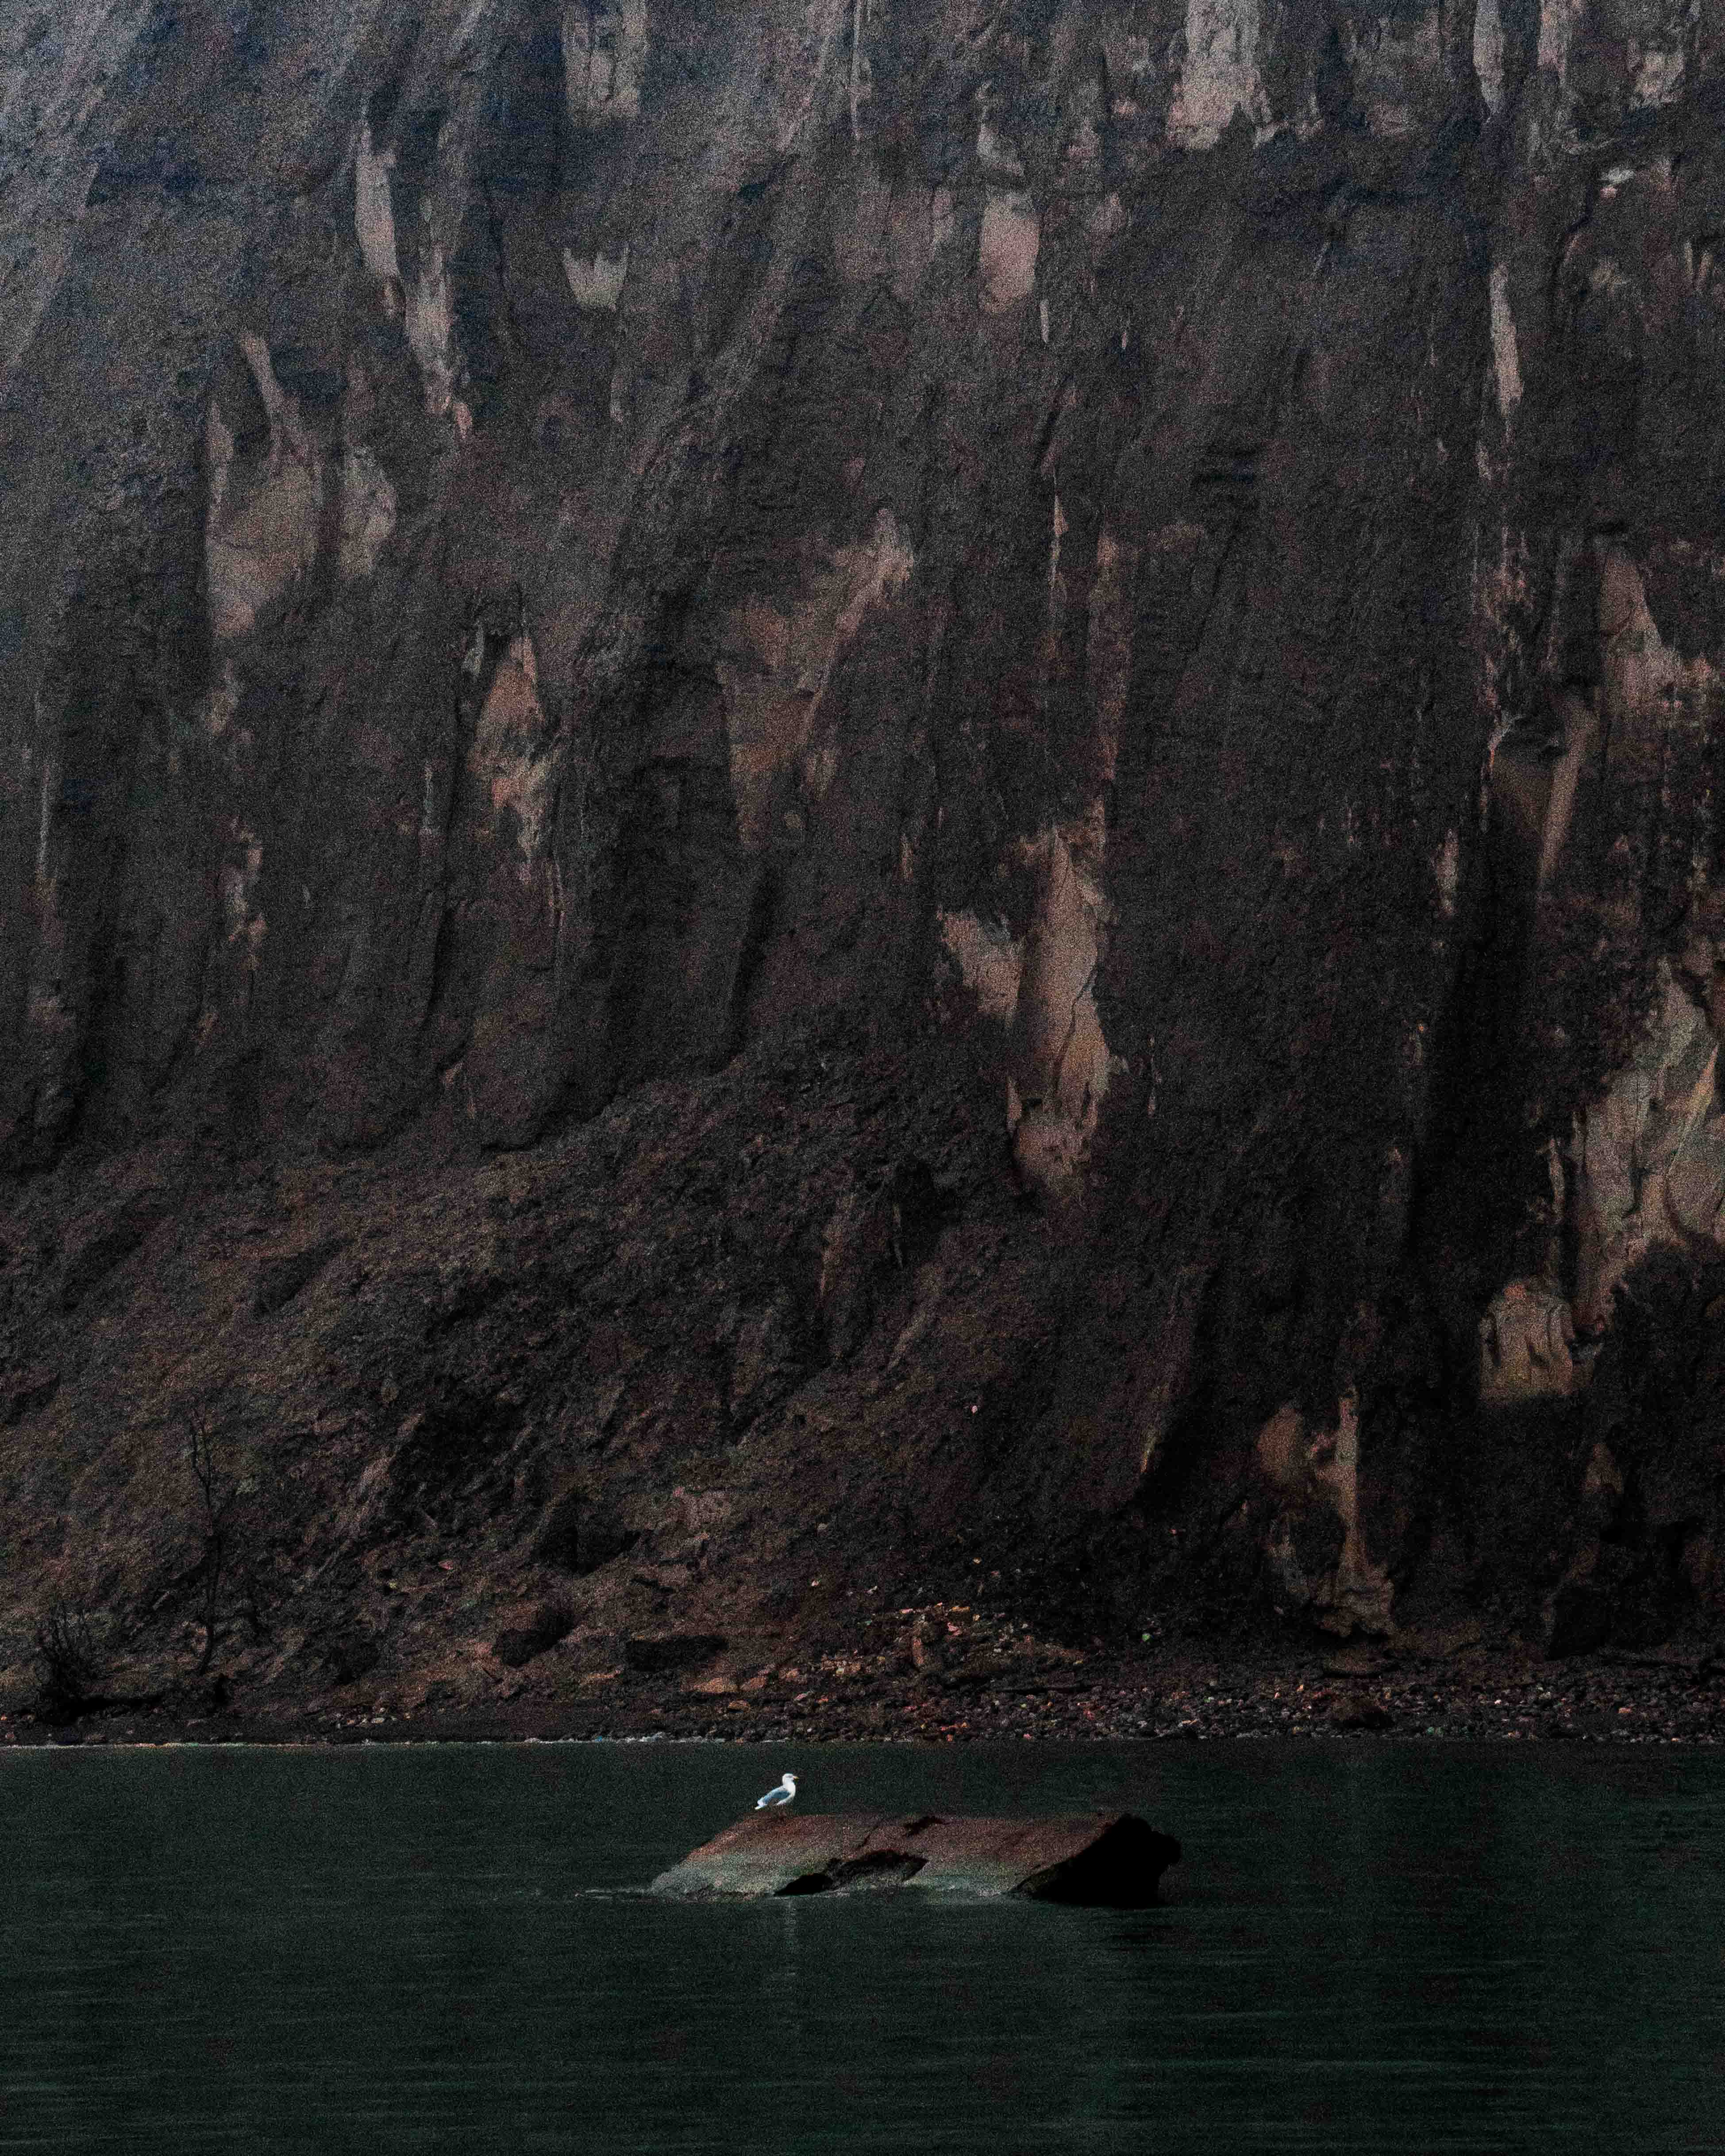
{"type": "Point", "coordinates": [1169, 557]}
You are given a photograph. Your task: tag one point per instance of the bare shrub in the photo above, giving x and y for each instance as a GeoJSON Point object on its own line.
{"type": "Point", "coordinates": [73, 1659]}
{"type": "Point", "coordinates": [210, 1456]}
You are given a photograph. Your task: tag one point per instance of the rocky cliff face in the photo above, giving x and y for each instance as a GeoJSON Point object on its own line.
{"type": "Point", "coordinates": [1059, 657]}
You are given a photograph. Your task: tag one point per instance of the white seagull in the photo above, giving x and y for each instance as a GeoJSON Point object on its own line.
{"type": "Point", "coordinates": [780, 1794]}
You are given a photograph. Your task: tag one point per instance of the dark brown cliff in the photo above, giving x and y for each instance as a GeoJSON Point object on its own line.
{"type": "Point", "coordinates": [793, 794]}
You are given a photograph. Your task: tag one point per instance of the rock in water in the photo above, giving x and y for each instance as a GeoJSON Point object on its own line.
{"type": "Point", "coordinates": [1102, 1859]}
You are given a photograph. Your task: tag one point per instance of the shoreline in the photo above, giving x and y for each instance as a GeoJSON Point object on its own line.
{"type": "Point", "coordinates": [1470, 1694]}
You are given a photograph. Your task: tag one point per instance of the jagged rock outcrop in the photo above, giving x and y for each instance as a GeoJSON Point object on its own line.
{"type": "Point", "coordinates": [1160, 568]}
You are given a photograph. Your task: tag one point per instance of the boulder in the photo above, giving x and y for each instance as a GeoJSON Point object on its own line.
{"type": "Point", "coordinates": [22, 1392]}
{"type": "Point", "coordinates": [541, 1628]}
{"type": "Point", "coordinates": [111, 1244]}
{"type": "Point", "coordinates": [1103, 1859]}
{"type": "Point", "coordinates": [663, 1653]}
{"type": "Point", "coordinates": [349, 1655]}
{"type": "Point", "coordinates": [277, 1283]}
{"type": "Point", "coordinates": [579, 1533]}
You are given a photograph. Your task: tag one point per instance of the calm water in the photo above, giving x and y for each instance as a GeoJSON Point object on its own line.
{"type": "Point", "coordinates": [1372, 1947]}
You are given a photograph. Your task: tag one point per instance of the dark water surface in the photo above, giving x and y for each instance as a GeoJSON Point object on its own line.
{"type": "Point", "coordinates": [1369, 1946]}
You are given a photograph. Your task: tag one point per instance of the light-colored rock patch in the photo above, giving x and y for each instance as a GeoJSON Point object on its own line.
{"type": "Point", "coordinates": [1488, 51]}
{"type": "Point", "coordinates": [1580, 737]}
{"type": "Point", "coordinates": [1446, 871]}
{"type": "Point", "coordinates": [777, 667]}
{"type": "Point", "coordinates": [1280, 1447]}
{"type": "Point", "coordinates": [1651, 1153]}
{"type": "Point", "coordinates": [1558, 21]}
{"type": "Point", "coordinates": [221, 705]}
{"type": "Point", "coordinates": [996, 154]}
{"type": "Point", "coordinates": [1646, 681]}
{"type": "Point", "coordinates": [1060, 1065]}
{"type": "Point", "coordinates": [862, 75]}
{"type": "Point", "coordinates": [990, 962]}
{"type": "Point", "coordinates": [1007, 249]}
{"type": "Point", "coordinates": [1220, 75]}
{"type": "Point", "coordinates": [507, 757]}
{"type": "Point", "coordinates": [46, 1010]}
{"type": "Point", "coordinates": [1648, 1157]}
{"type": "Point", "coordinates": [605, 51]}
{"type": "Point", "coordinates": [597, 284]}
{"type": "Point", "coordinates": [1109, 656]}
{"type": "Point", "coordinates": [1528, 1347]}
{"type": "Point", "coordinates": [1056, 586]}
{"type": "Point", "coordinates": [790, 77]}
{"type": "Point", "coordinates": [368, 512]}
{"type": "Point", "coordinates": [1601, 1482]}
{"type": "Point", "coordinates": [47, 1014]}
{"type": "Point", "coordinates": [1321, 1467]}
{"type": "Point", "coordinates": [460, 44]}
{"type": "Point", "coordinates": [374, 212]}
{"type": "Point", "coordinates": [261, 517]}
{"type": "Point", "coordinates": [1658, 75]}
{"type": "Point", "coordinates": [431, 332]}
{"type": "Point", "coordinates": [246, 926]}
{"type": "Point", "coordinates": [1361, 1592]}
{"type": "Point", "coordinates": [45, 817]}
{"type": "Point", "coordinates": [1504, 353]}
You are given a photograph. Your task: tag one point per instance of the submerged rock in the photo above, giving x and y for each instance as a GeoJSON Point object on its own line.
{"type": "Point", "coordinates": [1102, 1860]}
